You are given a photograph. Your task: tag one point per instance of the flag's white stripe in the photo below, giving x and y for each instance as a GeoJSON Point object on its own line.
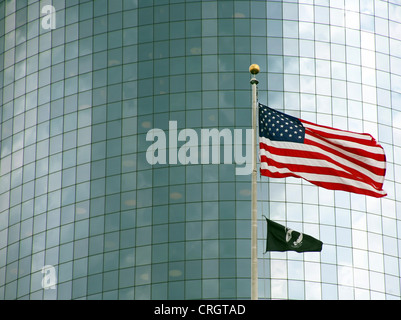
{"type": "Point", "coordinates": [370, 161]}
{"type": "Point", "coordinates": [301, 161]}
{"type": "Point", "coordinates": [304, 147]}
{"type": "Point", "coordinates": [340, 133]}
{"type": "Point", "coordinates": [323, 178]}
{"type": "Point", "coordinates": [318, 163]}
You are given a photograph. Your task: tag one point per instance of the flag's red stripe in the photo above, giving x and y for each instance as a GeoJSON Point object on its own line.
{"type": "Point", "coordinates": [327, 185]}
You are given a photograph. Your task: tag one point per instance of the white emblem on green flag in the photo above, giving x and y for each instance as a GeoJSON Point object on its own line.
{"type": "Point", "coordinates": [281, 238]}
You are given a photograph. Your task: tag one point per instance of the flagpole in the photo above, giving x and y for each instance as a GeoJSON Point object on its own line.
{"type": "Point", "coordinates": [254, 70]}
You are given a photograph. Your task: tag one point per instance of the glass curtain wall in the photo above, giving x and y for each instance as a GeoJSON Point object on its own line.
{"type": "Point", "coordinates": [336, 63]}
{"type": "Point", "coordinates": [77, 192]}
{"type": "Point", "coordinates": [193, 231]}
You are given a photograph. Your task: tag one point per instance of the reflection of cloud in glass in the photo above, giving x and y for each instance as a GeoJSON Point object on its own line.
{"type": "Point", "coordinates": [307, 66]}
{"type": "Point", "coordinates": [175, 195]}
{"type": "Point", "coordinates": [146, 124]}
{"type": "Point", "coordinates": [397, 119]}
{"type": "Point", "coordinates": [175, 273]}
{"type": "Point", "coordinates": [279, 289]}
{"type": "Point", "coordinates": [113, 62]}
{"type": "Point", "coordinates": [196, 50]}
{"type": "Point", "coordinates": [145, 276]}
{"type": "Point", "coordinates": [394, 12]}
{"type": "Point", "coordinates": [306, 12]}
{"type": "Point", "coordinates": [352, 19]}
{"type": "Point", "coordinates": [345, 275]}
{"type": "Point", "coordinates": [84, 106]}
{"type": "Point", "coordinates": [130, 202]}
{"type": "Point", "coordinates": [367, 23]}
{"type": "Point", "coordinates": [128, 163]}
{"type": "Point", "coordinates": [395, 84]}
{"type": "Point", "coordinates": [80, 210]}
{"type": "Point", "coordinates": [128, 260]}
{"type": "Point", "coordinates": [368, 58]}
{"type": "Point", "coordinates": [395, 30]}
{"type": "Point", "coordinates": [367, 7]}
{"type": "Point", "coordinates": [238, 15]}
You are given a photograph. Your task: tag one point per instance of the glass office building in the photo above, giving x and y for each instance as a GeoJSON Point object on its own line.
{"type": "Point", "coordinates": [84, 215]}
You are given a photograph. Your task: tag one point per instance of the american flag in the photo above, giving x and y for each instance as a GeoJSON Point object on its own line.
{"type": "Point", "coordinates": [327, 157]}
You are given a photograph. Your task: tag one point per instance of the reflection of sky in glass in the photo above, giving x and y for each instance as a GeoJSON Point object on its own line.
{"type": "Point", "coordinates": [358, 72]}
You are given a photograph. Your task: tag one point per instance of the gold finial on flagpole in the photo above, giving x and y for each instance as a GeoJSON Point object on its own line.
{"type": "Point", "coordinates": [254, 69]}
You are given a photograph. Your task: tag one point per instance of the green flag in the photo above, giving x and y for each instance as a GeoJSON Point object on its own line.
{"type": "Point", "coordinates": [281, 238]}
